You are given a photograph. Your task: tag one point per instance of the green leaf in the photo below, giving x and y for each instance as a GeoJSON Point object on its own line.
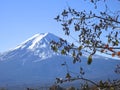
{"type": "Point", "coordinates": [80, 47]}
{"type": "Point", "coordinates": [116, 42]}
{"type": "Point", "coordinates": [87, 42]}
{"type": "Point", "coordinates": [73, 54]}
{"type": "Point", "coordinates": [63, 52]}
{"type": "Point", "coordinates": [54, 48]}
{"type": "Point", "coordinates": [68, 76]}
{"type": "Point", "coordinates": [89, 60]}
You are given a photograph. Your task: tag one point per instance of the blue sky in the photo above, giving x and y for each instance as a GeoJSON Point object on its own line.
{"type": "Point", "coordinates": [21, 19]}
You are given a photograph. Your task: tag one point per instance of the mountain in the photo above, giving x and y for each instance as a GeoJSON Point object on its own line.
{"type": "Point", "coordinates": [37, 47]}
{"type": "Point", "coordinates": [34, 63]}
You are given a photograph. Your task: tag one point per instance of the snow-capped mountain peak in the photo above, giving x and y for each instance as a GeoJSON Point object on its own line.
{"type": "Point", "coordinates": [38, 37]}
{"type": "Point", "coordinates": [37, 46]}
{"type": "Point", "coordinates": [36, 40]}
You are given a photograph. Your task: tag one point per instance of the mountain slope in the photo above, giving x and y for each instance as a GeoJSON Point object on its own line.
{"type": "Point", "coordinates": [33, 62]}
{"type": "Point", "coordinates": [36, 47]}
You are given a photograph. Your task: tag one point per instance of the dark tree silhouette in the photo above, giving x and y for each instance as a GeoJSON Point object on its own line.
{"type": "Point", "coordinates": [91, 28]}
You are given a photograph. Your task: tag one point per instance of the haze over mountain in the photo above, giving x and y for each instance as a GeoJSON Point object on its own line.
{"type": "Point", "coordinates": [33, 62]}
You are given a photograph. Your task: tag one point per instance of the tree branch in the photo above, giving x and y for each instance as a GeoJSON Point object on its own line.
{"type": "Point", "coordinates": [100, 17]}
{"type": "Point", "coordinates": [107, 19]}
{"type": "Point", "coordinates": [73, 79]}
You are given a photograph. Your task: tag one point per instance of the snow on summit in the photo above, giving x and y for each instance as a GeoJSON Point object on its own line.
{"type": "Point", "coordinates": [37, 38]}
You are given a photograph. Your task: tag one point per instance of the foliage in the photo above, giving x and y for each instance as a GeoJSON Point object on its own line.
{"type": "Point", "coordinates": [90, 28]}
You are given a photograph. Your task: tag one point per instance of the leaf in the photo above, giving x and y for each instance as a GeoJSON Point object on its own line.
{"type": "Point", "coordinates": [89, 60]}
{"type": "Point", "coordinates": [72, 45]}
{"type": "Point", "coordinates": [111, 48]}
{"type": "Point", "coordinates": [65, 13]}
{"type": "Point", "coordinates": [62, 64]}
{"type": "Point", "coordinates": [80, 53]}
{"type": "Point", "coordinates": [102, 50]}
{"type": "Point", "coordinates": [118, 53]}
{"type": "Point", "coordinates": [87, 42]}
{"type": "Point", "coordinates": [54, 48]}
{"type": "Point", "coordinates": [116, 42]}
{"type": "Point", "coordinates": [59, 80]}
{"type": "Point", "coordinates": [68, 76]}
{"type": "Point", "coordinates": [57, 18]}
{"type": "Point", "coordinates": [80, 47]}
{"type": "Point", "coordinates": [73, 54]}
{"type": "Point", "coordinates": [63, 52]}
{"type": "Point", "coordinates": [81, 71]}
{"type": "Point", "coordinates": [77, 27]}
{"type": "Point", "coordinates": [70, 21]}
{"type": "Point", "coordinates": [113, 54]}
{"type": "Point", "coordinates": [74, 61]}
{"type": "Point", "coordinates": [106, 46]}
